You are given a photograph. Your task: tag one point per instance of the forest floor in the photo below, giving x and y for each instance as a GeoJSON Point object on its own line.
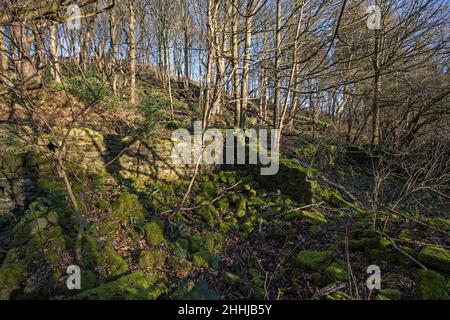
{"type": "Point", "coordinates": [238, 236]}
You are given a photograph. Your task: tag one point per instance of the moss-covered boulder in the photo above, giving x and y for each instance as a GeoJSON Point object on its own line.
{"type": "Point", "coordinates": [431, 285]}
{"type": "Point", "coordinates": [337, 271]}
{"type": "Point", "coordinates": [102, 258]}
{"type": "Point", "coordinates": [10, 280]}
{"type": "Point", "coordinates": [201, 258]}
{"type": "Point", "coordinates": [152, 259]}
{"type": "Point", "coordinates": [154, 233]}
{"type": "Point", "coordinates": [436, 258]}
{"type": "Point", "coordinates": [314, 260]}
{"type": "Point", "coordinates": [209, 215]}
{"type": "Point", "coordinates": [136, 286]}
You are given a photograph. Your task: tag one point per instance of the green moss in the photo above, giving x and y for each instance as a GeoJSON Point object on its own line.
{"type": "Point", "coordinates": [10, 280]}
{"type": "Point", "coordinates": [102, 205]}
{"type": "Point", "coordinates": [389, 294]}
{"type": "Point", "coordinates": [53, 218]}
{"type": "Point", "coordinates": [136, 286]}
{"type": "Point", "coordinates": [231, 278]}
{"type": "Point", "coordinates": [436, 257]}
{"type": "Point", "coordinates": [241, 209]}
{"type": "Point", "coordinates": [314, 260]}
{"type": "Point", "coordinates": [128, 206]}
{"type": "Point", "coordinates": [154, 233]}
{"type": "Point", "coordinates": [89, 280]}
{"type": "Point", "coordinates": [362, 244]}
{"type": "Point", "coordinates": [152, 259]}
{"type": "Point", "coordinates": [223, 205]}
{"type": "Point", "coordinates": [337, 271]}
{"type": "Point", "coordinates": [431, 285]}
{"type": "Point", "coordinates": [53, 240]}
{"type": "Point", "coordinates": [314, 215]}
{"type": "Point", "coordinates": [208, 214]}
{"type": "Point", "coordinates": [196, 242]}
{"type": "Point", "coordinates": [200, 259]}
{"type": "Point", "coordinates": [104, 260]}
{"type": "Point", "coordinates": [338, 295]}
{"type": "Point", "coordinates": [441, 224]}
{"type": "Point", "coordinates": [214, 242]}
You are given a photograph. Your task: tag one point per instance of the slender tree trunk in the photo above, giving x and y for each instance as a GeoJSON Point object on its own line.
{"type": "Point", "coordinates": [56, 72]}
{"type": "Point", "coordinates": [235, 63]}
{"type": "Point", "coordinates": [132, 55]}
{"type": "Point", "coordinates": [246, 67]}
{"type": "Point", "coordinates": [276, 108]}
{"type": "Point", "coordinates": [376, 129]}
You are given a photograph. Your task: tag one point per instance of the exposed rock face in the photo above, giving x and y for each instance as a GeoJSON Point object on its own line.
{"type": "Point", "coordinates": [87, 150]}
{"type": "Point", "coordinates": [130, 158]}
{"type": "Point", "coordinates": [17, 174]}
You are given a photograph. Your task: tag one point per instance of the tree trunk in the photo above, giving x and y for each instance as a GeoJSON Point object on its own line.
{"type": "Point", "coordinates": [56, 72]}
{"type": "Point", "coordinates": [235, 63]}
{"type": "Point", "coordinates": [132, 55]}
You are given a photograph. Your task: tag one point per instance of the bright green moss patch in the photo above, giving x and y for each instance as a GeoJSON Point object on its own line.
{"type": "Point", "coordinates": [337, 271]}
{"type": "Point", "coordinates": [208, 213]}
{"type": "Point", "coordinates": [231, 278]}
{"type": "Point", "coordinates": [431, 285]}
{"type": "Point", "coordinates": [200, 259]}
{"type": "Point", "coordinates": [10, 280]}
{"type": "Point", "coordinates": [314, 260]}
{"type": "Point", "coordinates": [154, 233]}
{"type": "Point", "coordinates": [136, 286]}
{"type": "Point", "coordinates": [436, 258]}
{"type": "Point", "coordinates": [241, 209]}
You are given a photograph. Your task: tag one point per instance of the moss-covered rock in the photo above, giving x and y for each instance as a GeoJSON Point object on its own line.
{"type": "Point", "coordinates": [436, 258]}
{"type": "Point", "coordinates": [200, 259]}
{"type": "Point", "coordinates": [136, 286]}
{"type": "Point", "coordinates": [337, 271]}
{"type": "Point", "coordinates": [241, 209]}
{"type": "Point", "coordinates": [214, 242]}
{"type": "Point", "coordinates": [209, 214]}
{"type": "Point", "coordinates": [362, 244]}
{"type": "Point", "coordinates": [431, 285]}
{"type": "Point", "coordinates": [10, 280]}
{"type": "Point", "coordinates": [154, 233]}
{"type": "Point", "coordinates": [102, 259]}
{"type": "Point", "coordinates": [152, 259]}
{"type": "Point", "coordinates": [314, 260]}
